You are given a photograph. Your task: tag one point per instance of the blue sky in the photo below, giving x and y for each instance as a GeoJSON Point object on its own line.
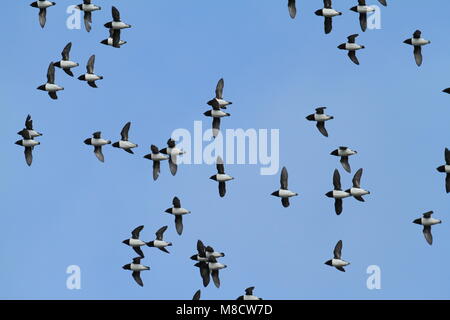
{"type": "Point", "coordinates": [70, 209]}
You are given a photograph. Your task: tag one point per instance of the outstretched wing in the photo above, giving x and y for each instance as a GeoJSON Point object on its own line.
{"type": "Point", "coordinates": [66, 51]}
{"type": "Point", "coordinates": [338, 250]}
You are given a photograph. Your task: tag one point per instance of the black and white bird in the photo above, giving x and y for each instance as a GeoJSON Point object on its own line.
{"type": "Point", "coordinates": [328, 13]}
{"type": "Point", "coordinates": [159, 242]}
{"type": "Point", "coordinates": [446, 169]}
{"type": "Point", "coordinates": [284, 193]}
{"type": "Point", "coordinates": [337, 194]}
{"type": "Point", "coordinates": [50, 86]}
{"type": "Point", "coordinates": [42, 5]}
{"type": "Point", "coordinates": [202, 263]}
{"type": "Point", "coordinates": [197, 295]}
{"type": "Point", "coordinates": [292, 8]}
{"type": "Point", "coordinates": [221, 177]}
{"type": "Point", "coordinates": [216, 114]}
{"type": "Point", "coordinates": [219, 102]}
{"type": "Point", "coordinates": [29, 129]}
{"type": "Point", "coordinates": [124, 143]}
{"type": "Point", "coordinates": [136, 267]}
{"type": "Point", "coordinates": [344, 153]}
{"type": "Point", "coordinates": [173, 152]}
{"type": "Point", "coordinates": [320, 117]}
{"type": "Point", "coordinates": [65, 62]}
{"type": "Point", "coordinates": [116, 25]}
{"type": "Point", "coordinates": [417, 41]}
{"type": "Point", "coordinates": [90, 76]}
{"type": "Point", "coordinates": [363, 10]}
{"type": "Point", "coordinates": [210, 252]}
{"type": "Point", "coordinates": [356, 191]}
{"type": "Point", "coordinates": [351, 46]}
{"type": "Point", "coordinates": [214, 267]}
{"type": "Point", "coordinates": [110, 40]}
{"type": "Point", "coordinates": [28, 143]}
{"type": "Point", "coordinates": [201, 252]}
{"type": "Point", "coordinates": [337, 261]}
{"type": "Point", "coordinates": [135, 243]}
{"type": "Point", "coordinates": [427, 221]}
{"type": "Point", "coordinates": [156, 157]}
{"type": "Point", "coordinates": [97, 142]}
{"type": "Point", "coordinates": [249, 295]}
{"type": "Point", "coordinates": [87, 7]}
{"type": "Point", "coordinates": [178, 212]}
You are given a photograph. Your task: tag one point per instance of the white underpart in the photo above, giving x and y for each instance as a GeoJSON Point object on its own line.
{"type": "Point", "coordinates": [68, 64]}
{"type": "Point", "coordinates": [328, 13]}
{"type": "Point", "coordinates": [223, 177]}
{"type": "Point", "coordinates": [430, 221]}
{"type": "Point", "coordinates": [99, 142]}
{"type": "Point", "coordinates": [160, 243]}
{"type": "Point", "coordinates": [44, 4]}
{"type": "Point", "coordinates": [321, 117]}
{"type": "Point", "coordinates": [50, 87]}
{"type": "Point", "coordinates": [337, 194]}
{"type": "Point", "coordinates": [218, 114]}
{"type": "Point", "coordinates": [419, 42]}
{"type": "Point", "coordinates": [136, 243]}
{"type": "Point", "coordinates": [286, 193]}
{"type": "Point", "coordinates": [358, 192]}
{"type": "Point", "coordinates": [339, 263]}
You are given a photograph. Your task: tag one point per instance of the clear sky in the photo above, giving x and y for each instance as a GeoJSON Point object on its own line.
{"type": "Point", "coordinates": [70, 209]}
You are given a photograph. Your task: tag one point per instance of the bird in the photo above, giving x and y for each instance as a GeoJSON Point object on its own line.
{"type": "Point", "coordinates": [159, 242]}
{"type": "Point", "coordinates": [201, 252]}
{"type": "Point", "coordinates": [29, 143]}
{"type": "Point", "coordinates": [110, 40]}
{"type": "Point", "coordinates": [337, 192]}
{"type": "Point", "coordinates": [446, 169]}
{"type": "Point", "coordinates": [249, 295]}
{"type": "Point", "coordinates": [328, 13]}
{"type": "Point", "coordinates": [356, 191]}
{"type": "Point", "coordinates": [90, 76]}
{"type": "Point", "coordinates": [320, 117]}
{"type": "Point", "coordinates": [116, 25]}
{"type": "Point", "coordinates": [29, 129]}
{"type": "Point", "coordinates": [417, 41]}
{"type": "Point", "coordinates": [178, 212]}
{"type": "Point", "coordinates": [284, 193]}
{"type": "Point", "coordinates": [427, 221]}
{"type": "Point", "coordinates": [221, 177]}
{"type": "Point", "coordinates": [197, 295]}
{"type": "Point", "coordinates": [363, 10]}
{"type": "Point", "coordinates": [214, 268]}
{"type": "Point", "coordinates": [97, 142]}
{"type": "Point", "coordinates": [135, 243]}
{"type": "Point", "coordinates": [65, 62]}
{"type": "Point", "coordinates": [209, 251]}
{"type": "Point", "coordinates": [216, 114]}
{"type": "Point", "coordinates": [344, 153]}
{"type": "Point", "coordinates": [383, 2]}
{"type": "Point", "coordinates": [173, 152]}
{"type": "Point", "coordinates": [292, 9]}
{"type": "Point", "coordinates": [351, 47]}
{"type": "Point", "coordinates": [218, 102]}
{"type": "Point", "coordinates": [337, 262]}
{"type": "Point", "coordinates": [136, 267]}
{"type": "Point", "coordinates": [124, 144]}
{"type": "Point", "coordinates": [50, 86]}
{"type": "Point", "coordinates": [42, 5]}
{"type": "Point", "coordinates": [156, 157]}
{"type": "Point", "coordinates": [87, 7]}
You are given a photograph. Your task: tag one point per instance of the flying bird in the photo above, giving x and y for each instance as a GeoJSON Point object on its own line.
{"type": "Point", "coordinates": [337, 261]}
{"type": "Point", "coordinates": [249, 295]}
{"type": "Point", "coordinates": [446, 169]}
{"type": "Point", "coordinates": [351, 47]}
{"type": "Point", "coordinates": [221, 176]}
{"type": "Point", "coordinates": [417, 41]}
{"type": "Point", "coordinates": [363, 10]}
{"type": "Point", "coordinates": [159, 242]}
{"type": "Point", "coordinates": [110, 40]}
{"type": "Point", "coordinates": [135, 243]}
{"type": "Point", "coordinates": [173, 152]}
{"type": "Point", "coordinates": [97, 142]}
{"type": "Point", "coordinates": [136, 267]}
{"type": "Point", "coordinates": [292, 8]}
{"type": "Point", "coordinates": [337, 194]}
{"type": "Point", "coordinates": [197, 295]}
{"type": "Point", "coordinates": [328, 13]}
{"type": "Point", "coordinates": [178, 212]}
{"type": "Point", "coordinates": [320, 117]}
{"type": "Point", "coordinates": [29, 143]}
{"type": "Point", "coordinates": [210, 252]}
{"type": "Point", "coordinates": [156, 157]}
{"type": "Point", "coordinates": [356, 191]}
{"type": "Point", "coordinates": [116, 25]}
{"type": "Point", "coordinates": [427, 221]}
{"type": "Point", "coordinates": [124, 143]}
{"type": "Point", "coordinates": [90, 76]}
{"type": "Point", "coordinates": [42, 5]}
{"type": "Point", "coordinates": [218, 102]}
{"type": "Point", "coordinates": [87, 7]}
{"type": "Point", "coordinates": [29, 129]}
{"type": "Point", "coordinates": [201, 252]}
{"type": "Point", "coordinates": [50, 86]}
{"type": "Point", "coordinates": [284, 193]}
{"type": "Point", "coordinates": [344, 153]}
{"type": "Point", "coordinates": [65, 62]}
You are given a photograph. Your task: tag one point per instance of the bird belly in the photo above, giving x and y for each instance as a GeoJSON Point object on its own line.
{"type": "Point", "coordinates": [358, 192]}
{"type": "Point", "coordinates": [328, 13]}
{"type": "Point", "coordinates": [419, 42]}
{"type": "Point", "coordinates": [223, 177]}
{"type": "Point", "coordinates": [286, 193]}
{"type": "Point", "coordinates": [136, 243]}
{"type": "Point", "coordinates": [337, 194]}
{"type": "Point", "coordinates": [68, 64]}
